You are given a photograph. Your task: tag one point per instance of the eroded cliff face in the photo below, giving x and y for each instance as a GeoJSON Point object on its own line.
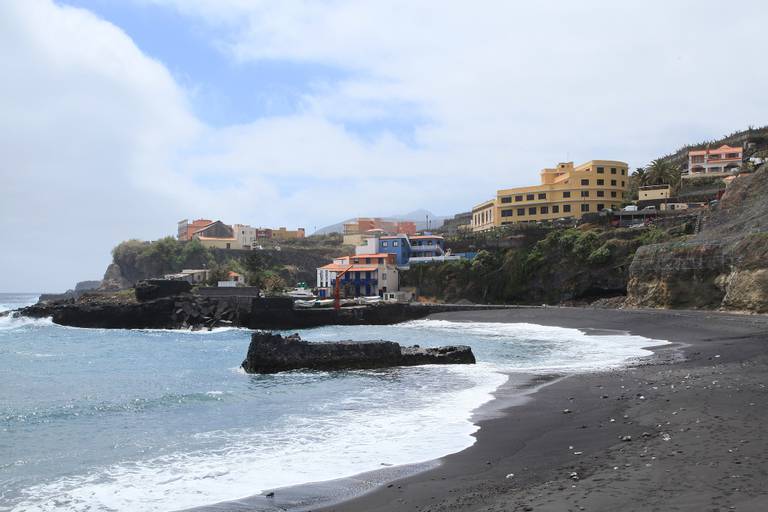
{"type": "Point", "coordinates": [725, 266]}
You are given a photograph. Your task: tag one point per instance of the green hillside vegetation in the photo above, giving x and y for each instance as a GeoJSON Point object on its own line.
{"type": "Point", "coordinates": [270, 270]}
{"type": "Point", "coordinates": [568, 264]}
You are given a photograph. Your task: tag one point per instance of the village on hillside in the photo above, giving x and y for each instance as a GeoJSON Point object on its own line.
{"type": "Point", "coordinates": [671, 191]}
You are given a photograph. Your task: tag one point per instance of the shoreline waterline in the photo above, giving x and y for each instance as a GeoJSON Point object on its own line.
{"type": "Point", "coordinates": [244, 472]}
{"type": "Point", "coordinates": [519, 389]}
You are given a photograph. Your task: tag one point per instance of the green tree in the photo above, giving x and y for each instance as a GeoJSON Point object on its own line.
{"type": "Point", "coordinates": [662, 172]}
{"type": "Point", "coordinates": [640, 177]}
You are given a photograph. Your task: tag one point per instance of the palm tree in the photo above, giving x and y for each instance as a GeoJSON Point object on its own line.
{"type": "Point", "coordinates": [662, 172]}
{"type": "Point", "coordinates": [640, 177]}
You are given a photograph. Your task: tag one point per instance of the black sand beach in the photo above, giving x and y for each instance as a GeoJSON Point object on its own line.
{"type": "Point", "coordinates": [683, 431]}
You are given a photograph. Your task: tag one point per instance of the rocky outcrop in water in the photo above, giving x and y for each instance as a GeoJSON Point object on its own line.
{"type": "Point", "coordinates": [150, 289]}
{"type": "Point", "coordinates": [187, 311]}
{"type": "Point", "coordinates": [724, 266]}
{"type": "Point", "coordinates": [272, 353]}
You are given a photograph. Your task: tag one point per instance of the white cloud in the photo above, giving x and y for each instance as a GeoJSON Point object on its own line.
{"type": "Point", "coordinates": [511, 88]}
{"type": "Point", "coordinates": [87, 130]}
{"type": "Point", "coordinates": [99, 143]}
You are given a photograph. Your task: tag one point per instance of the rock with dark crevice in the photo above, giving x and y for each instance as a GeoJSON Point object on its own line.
{"type": "Point", "coordinates": [273, 353]}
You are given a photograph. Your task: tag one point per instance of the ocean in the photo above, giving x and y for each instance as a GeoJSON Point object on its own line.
{"type": "Point", "coordinates": [152, 420]}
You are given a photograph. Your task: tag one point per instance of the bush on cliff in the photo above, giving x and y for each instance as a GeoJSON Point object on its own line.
{"type": "Point", "coordinates": [567, 264]}
{"type": "Point", "coordinates": [144, 260]}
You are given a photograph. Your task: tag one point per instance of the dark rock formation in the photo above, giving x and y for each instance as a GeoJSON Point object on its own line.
{"type": "Point", "coordinates": [724, 266]}
{"type": "Point", "coordinates": [272, 353]}
{"type": "Point", "coordinates": [189, 311]}
{"type": "Point", "coordinates": [151, 289]}
{"type": "Point", "coordinates": [114, 279]}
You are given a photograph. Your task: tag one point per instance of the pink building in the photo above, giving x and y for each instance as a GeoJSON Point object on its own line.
{"type": "Point", "coordinates": [723, 160]}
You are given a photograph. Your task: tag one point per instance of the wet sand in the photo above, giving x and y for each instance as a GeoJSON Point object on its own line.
{"type": "Point", "coordinates": [682, 431]}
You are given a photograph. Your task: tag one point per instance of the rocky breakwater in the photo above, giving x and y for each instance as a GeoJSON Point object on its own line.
{"type": "Point", "coordinates": [272, 353]}
{"type": "Point", "coordinates": [724, 266]}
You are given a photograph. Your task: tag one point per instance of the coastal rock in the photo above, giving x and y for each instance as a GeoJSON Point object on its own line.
{"type": "Point", "coordinates": [122, 310]}
{"type": "Point", "coordinates": [155, 288]}
{"type": "Point", "coordinates": [272, 353]}
{"type": "Point", "coordinates": [114, 279]}
{"type": "Point", "coordinates": [724, 266]}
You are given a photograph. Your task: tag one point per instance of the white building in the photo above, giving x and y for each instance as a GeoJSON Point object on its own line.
{"type": "Point", "coordinates": [193, 276]}
{"type": "Point", "coordinates": [245, 235]}
{"type": "Point", "coordinates": [363, 275]}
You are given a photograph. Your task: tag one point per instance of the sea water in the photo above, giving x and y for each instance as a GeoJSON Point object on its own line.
{"type": "Point", "coordinates": [152, 420]}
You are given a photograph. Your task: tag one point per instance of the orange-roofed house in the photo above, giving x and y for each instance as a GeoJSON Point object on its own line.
{"type": "Point", "coordinates": [722, 161]}
{"type": "Point", "coordinates": [361, 275]}
{"type": "Point", "coordinates": [186, 229]}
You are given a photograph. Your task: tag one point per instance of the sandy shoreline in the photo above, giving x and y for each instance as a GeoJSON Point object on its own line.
{"type": "Point", "coordinates": [695, 427]}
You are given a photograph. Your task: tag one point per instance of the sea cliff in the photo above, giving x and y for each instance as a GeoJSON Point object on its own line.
{"type": "Point", "coordinates": [724, 266]}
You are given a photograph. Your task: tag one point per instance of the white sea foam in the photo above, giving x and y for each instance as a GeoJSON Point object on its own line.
{"type": "Point", "coordinates": [304, 448]}
{"type": "Point", "coordinates": [550, 349]}
{"type": "Point", "coordinates": [18, 322]}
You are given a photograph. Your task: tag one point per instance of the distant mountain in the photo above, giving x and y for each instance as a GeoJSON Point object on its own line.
{"type": "Point", "coordinates": [419, 217]}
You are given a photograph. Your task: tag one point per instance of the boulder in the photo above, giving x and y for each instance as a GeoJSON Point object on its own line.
{"type": "Point", "coordinates": [151, 289]}
{"type": "Point", "coordinates": [272, 353]}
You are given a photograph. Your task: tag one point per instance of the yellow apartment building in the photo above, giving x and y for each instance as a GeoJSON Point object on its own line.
{"type": "Point", "coordinates": [566, 191]}
{"type": "Point", "coordinates": [483, 215]}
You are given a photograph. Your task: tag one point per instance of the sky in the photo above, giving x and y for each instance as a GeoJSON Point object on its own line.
{"type": "Point", "coordinates": [118, 118]}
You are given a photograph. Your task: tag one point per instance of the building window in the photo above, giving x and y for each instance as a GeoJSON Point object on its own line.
{"type": "Point", "coordinates": [623, 172]}
{"type": "Point", "coordinates": [506, 199]}
{"type": "Point", "coordinates": [613, 170]}
{"type": "Point", "coordinates": [506, 213]}
{"type": "Point", "coordinates": [544, 209]}
{"type": "Point", "coordinates": [601, 170]}
{"type": "Point", "coordinates": [600, 182]}
{"type": "Point", "coordinates": [384, 244]}
{"type": "Point", "coordinates": [555, 209]}
{"type": "Point", "coordinates": [532, 210]}
{"type": "Point", "coordinates": [518, 198]}
{"type": "Point", "coordinates": [585, 193]}
{"type": "Point", "coordinates": [542, 196]}
{"type": "Point", "coordinates": [600, 207]}
{"type": "Point", "coordinates": [529, 197]}
{"type": "Point", "coordinates": [613, 193]}
{"type": "Point", "coordinates": [367, 261]}
{"type": "Point", "coordinates": [601, 193]}
{"type": "Point", "coordinates": [395, 243]}
{"type": "Point", "coordinates": [383, 276]}
{"type": "Point", "coordinates": [585, 207]}
{"type": "Point", "coordinates": [566, 208]}
{"type": "Point", "coordinates": [585, 183]}
{"type": "Point", "coordinates": [613, 183]}
{"type": "Point", "coordinates": [622, 184]}
{"type": "Point", "coordinates": [566, 194]}
{"type": "Point", "coordinates": [381, 261]}
{"type": "Point", "coordinates": [520, 212]}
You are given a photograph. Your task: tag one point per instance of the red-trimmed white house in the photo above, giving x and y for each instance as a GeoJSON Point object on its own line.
{"type": "Point", "coordinates": [366, 275]}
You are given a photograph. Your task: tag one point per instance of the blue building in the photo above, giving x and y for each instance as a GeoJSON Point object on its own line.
{"type": "Point", "coordinates": [399, 245]}
{"type": "Point", "coordinates": [408, 250]}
